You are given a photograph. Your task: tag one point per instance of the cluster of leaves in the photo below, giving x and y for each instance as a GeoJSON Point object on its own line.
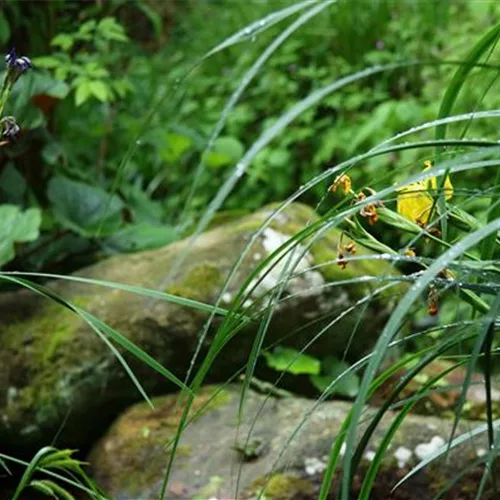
{"type": "Point", "coordinates": [83, 110]}
{"type": "Point", "coordinates": [320, 372]}
{"type": "Point", "coordinates": [86, 68]}
{"type": "Point", "coordinates": [65, 209]}
{"type": "Point", "coordinates": [52, 473]}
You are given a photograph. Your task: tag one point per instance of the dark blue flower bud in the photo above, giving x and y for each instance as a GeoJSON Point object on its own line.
{"type": "Point", "coordinates": [22, 64]}
{"type": "Point", "coordinates": [16, 66]}
{"type": "Point", "coordinates": [10, 129]}
{"type": "Point", "coordinates": [10, 58]}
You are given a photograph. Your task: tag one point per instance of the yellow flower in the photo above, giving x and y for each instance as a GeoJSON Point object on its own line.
{"type": "Point", "coordinates": [415, 201]}
{"type": "Point", "coordinates": [409, 252]}
{"type": "Point", "coordinates": [342, 181]}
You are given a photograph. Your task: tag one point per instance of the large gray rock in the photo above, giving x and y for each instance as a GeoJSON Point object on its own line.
{"type": "Point", "coordinates": [130, 460]}
{"type": "Point", "coordinates": [58, 378]}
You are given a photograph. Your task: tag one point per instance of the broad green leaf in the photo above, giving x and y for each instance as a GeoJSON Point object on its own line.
{"type": "Point", "coordinates": [175, 146]}
{"type": "Point", "coordinates": [143, 208]}
{"type": "Point", "coordinates": [141, 236]}
{"type": "Point", "coordinates": [99, 90]}
{"type": "Point", "coordinates": [123, 87]}
{"type": "Point", "coordinates": [83, 208]}
{"type": "Point", "coordinates": [64, 41]}
{"type": "Point", "coordinates": [286, 359]}
{"type": "Point", "coordinates": [331, 369]}
{"type": "Point", "coordinates": [83, 92]}
{"type": "Point", "coordinates": [52, 153]}
{"type": "Point", "coordinates": [110, 29]}
{"type": "Point", "coordinates": [226, 151]}
{"type": "Point", "coordinates": [17, 226]}
{"type": "Point", "coordinates": [26, 225]}
{"type": "Point", "coordinates": [87, 27]}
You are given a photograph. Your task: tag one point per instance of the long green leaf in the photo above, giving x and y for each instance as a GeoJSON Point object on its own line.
{"type": "Point", "coordinates": [460, 76]}
{"type": "Point", "coordinates": [146, 292]}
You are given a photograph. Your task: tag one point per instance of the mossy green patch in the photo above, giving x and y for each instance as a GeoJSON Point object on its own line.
{"type": "Point", "coordinates": [45, 332]}
{"type": "Point", "coordinates": [200, 282]}
{"type": "Point", "coordinates": [41, 344]}
{"type": "Point", "coordinates": [225, 217]}
{"type": "Point", "coordinates": [283, 487]}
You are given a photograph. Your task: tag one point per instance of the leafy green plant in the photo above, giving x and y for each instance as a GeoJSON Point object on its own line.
{"type": "Point", "coordinates": [87, 62]}
{"type": "Point", "coordinates": [321, 372]}
{"type": "Point", "coordinates": [61, 476]}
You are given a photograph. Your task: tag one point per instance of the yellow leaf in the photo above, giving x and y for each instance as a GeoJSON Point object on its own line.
{"type": "Point", "coordinates": [415, 202]}
{"type": "Point", "coordinates": [448, 186]}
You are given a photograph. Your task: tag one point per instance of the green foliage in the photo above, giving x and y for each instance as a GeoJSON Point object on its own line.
{"type": "Point", "coordinates": [321, 372]}
{"type": "Point", "coordinates": [331, 368]}
{"type": "Point", "coordinates": [16, 226]}
{"type": "Point", "coordinates": [84, 60]}
{"type": "Point", "coordinates": [83, 208]}
{"type": "Point", "coordinates": [65, 472]}
{"type": "Point", "coordinates": [81, 212]}
{"type": "Point", "coordinates": [292, 361]}
{"type": "Point", "coordinates": [98, 65]}
{"type": "Point", "coordinates": [226, 151]}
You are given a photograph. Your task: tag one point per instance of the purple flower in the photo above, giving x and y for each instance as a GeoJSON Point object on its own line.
{"type": "Point", "coordinates": [16, 66]}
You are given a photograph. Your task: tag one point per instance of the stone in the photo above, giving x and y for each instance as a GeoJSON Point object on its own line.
{"type": "Point", "coordinates": [130, 460]}
{"type": "Point", "coordinates": [58, 378]}
{"type": "Point", "coordinates": [443, 402]}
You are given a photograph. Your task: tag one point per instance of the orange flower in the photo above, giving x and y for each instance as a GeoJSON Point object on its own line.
{"type": "Point", "coordinates": [370, 212]}
{"type": "Point", "coordinates": [349, 250]}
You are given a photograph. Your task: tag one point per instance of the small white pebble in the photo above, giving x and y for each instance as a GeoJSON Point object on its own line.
{"type": "Point", "coordinates": [226, 297]}
{"type": "Point", "coordinates": [432, 427]}
{"type": "Point", "coordinates": [481, 452]}
{"type": "Point", "coordinates": [402, 455]}
{"type": "Point", "coordinates": [370, 455]}
{"type": "Point", "coordinates": [257, 256]}
{"type": "Point", "coordinates": [423, 450]}
{"type": "Point", "coordinates": [342, 449]}
{"type": "Point", "coordinates": [314, 466]}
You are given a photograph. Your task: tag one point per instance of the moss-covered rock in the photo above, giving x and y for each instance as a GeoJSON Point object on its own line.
{"type": "Point", "coordinates": [129, 461]}
{"type": "Point", "coordinates": [57, 377]}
